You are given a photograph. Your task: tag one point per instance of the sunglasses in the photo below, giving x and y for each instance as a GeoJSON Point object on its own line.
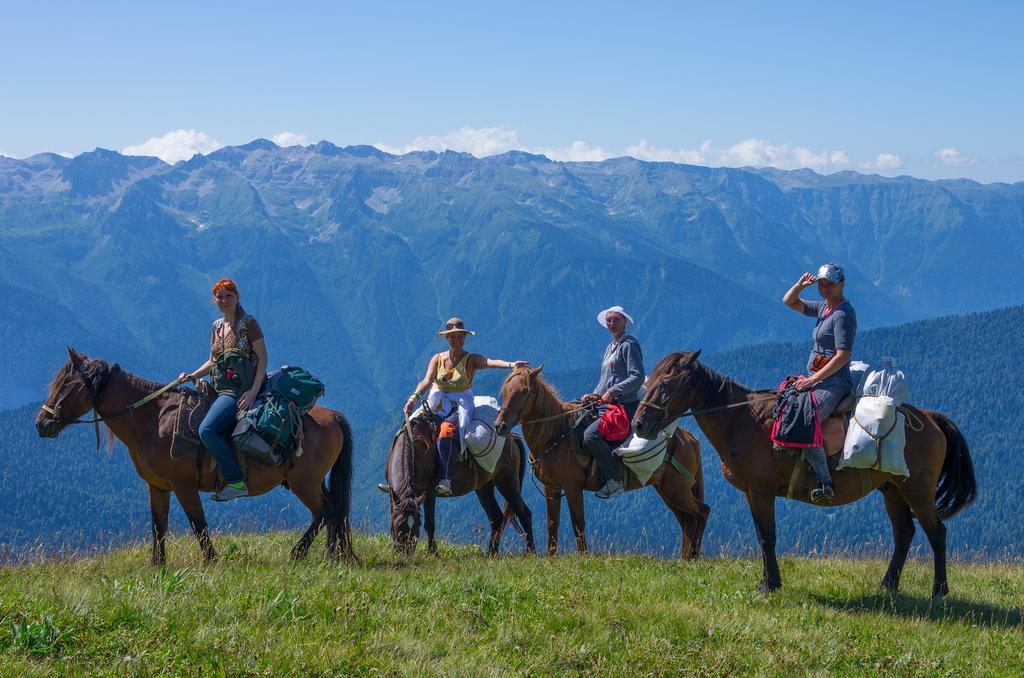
{"type": "Point", "coordinates": [455, 326]}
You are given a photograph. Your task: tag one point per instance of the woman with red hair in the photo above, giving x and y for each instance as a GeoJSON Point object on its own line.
{"type": "Point", "coordinates": [237, 365]}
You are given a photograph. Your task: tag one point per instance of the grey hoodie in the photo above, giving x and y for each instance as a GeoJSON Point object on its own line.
{"type": "Point", "coordinates": [622, 369]}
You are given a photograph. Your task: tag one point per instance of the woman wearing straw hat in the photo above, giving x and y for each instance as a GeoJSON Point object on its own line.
{"type": "Point", "coordinates": [622, 375]}
{"type": "Point", "coordinates": [450, 379]}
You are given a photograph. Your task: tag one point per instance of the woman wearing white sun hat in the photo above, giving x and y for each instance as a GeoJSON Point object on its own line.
{"type": "Point", "coordinates": [622, 375]}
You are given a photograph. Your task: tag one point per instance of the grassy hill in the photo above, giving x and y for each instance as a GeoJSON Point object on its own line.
{"type": "Point", "coordinates": [257, 613]}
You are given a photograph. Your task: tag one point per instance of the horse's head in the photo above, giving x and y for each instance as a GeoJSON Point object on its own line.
{"type": "Point", "coordinates": [405, 511]}
{"type": "Point", "coordinates": [516, 394]}
{"type": "Point", "coordinates": [73, 392]}
{"type": "Point", "coordinates": [669, 393]}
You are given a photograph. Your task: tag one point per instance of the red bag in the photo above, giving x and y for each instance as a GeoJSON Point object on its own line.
{"type": "Point", "coordinates": [614, 424]}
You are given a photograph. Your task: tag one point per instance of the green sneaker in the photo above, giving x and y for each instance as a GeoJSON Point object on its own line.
{"type": "Point", "coordinates": [231, 492]}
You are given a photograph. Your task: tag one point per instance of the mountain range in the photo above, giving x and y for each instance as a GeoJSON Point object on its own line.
{"type": "Point", "coordinates": [352, 257]}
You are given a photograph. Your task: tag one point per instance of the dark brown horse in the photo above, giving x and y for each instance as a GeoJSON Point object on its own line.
{"type": "Point", "coordinates": [412, 474]}
{"type": "Point", "coordinates": [83, 384]}
{"type": "Point", "coordinates": [526, 398]}
{"type": "Point", "coordinates": [941, 480]}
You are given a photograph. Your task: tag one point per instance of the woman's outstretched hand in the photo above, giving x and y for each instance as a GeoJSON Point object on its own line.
{"type": "Point", "coordinates": [516, 364]}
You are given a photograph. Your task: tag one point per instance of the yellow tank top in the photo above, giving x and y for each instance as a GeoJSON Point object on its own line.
{"type": "Point", "coordinates": [458, 378]}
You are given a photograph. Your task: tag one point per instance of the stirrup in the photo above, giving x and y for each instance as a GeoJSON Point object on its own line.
{"type": "Point", "coordinates": [824, 492]}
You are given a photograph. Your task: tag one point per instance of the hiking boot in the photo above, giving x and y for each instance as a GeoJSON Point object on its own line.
{"type": "Point", "coordinates": [610, 489]}
{"type": "Point", "coordinates": [444, 488]}
{"type": "Point", "coordinates": [231, 492]}
{"type": "Point", "coordinates": [384, 487]}
{"type": "Point", "coordinates": [823, 492]}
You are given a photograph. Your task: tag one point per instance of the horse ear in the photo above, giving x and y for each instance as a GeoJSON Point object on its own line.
{"type": "Point", "coordinates": [696, 354]}
{"type": "Point", "coordinates": [536, 370]}
{"type": "Point", "coordinates": [74, 356]}
{"type": "Point", "coordinates": [688, 360]}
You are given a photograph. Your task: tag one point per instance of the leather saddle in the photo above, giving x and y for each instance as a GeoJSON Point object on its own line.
{"type": "Point", "coordinates": [182, 417]}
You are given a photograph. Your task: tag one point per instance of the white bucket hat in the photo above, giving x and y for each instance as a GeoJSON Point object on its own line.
{"type": "Point", "coordinates": [603, 315]}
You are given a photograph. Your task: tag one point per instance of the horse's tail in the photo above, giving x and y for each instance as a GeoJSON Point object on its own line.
{"type": "Point", "coordinates": [339, 493]}
{"type": "Point", "coordinates": [507, 514]}
{"type": "Point", "coordinates": [957, 486]}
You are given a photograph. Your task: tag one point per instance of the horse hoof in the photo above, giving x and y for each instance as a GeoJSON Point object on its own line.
{"type": "Point", "coordinates": [940, 590]}
{"type": "Point", "coordinates": [890, 586]}
{"type": "Point", "coordinates": [767, 587]}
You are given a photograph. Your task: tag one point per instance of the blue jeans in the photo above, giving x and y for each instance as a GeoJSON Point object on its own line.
{"type": "Point", "coordinates": [215, 432]}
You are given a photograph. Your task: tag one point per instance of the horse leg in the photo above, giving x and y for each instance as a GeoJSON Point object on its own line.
{"type": "Point", "coordinates": [314, 499]}
{"type": "Point", "coordinates": [902, 534]}
{"type": "Point", "coordinates": [762, 509]}
{"type": "Point", "coordinates": [554, 510]}
{"type": "Point", "coordinates": [429, 503]}
{"type": "Point", "coordinates": [690, 512]}
{"type": "Point", "coordinates": [935, 530]}
{"type": "Point", "coordinates": [159, 507]}
{"type": "Point", "coordinates": [686, 545]}
{"type": "Point", "coordinates": [188, 497]}
{"type": "Point", "coordinates": [574, 500]}
{"type": "Point", "coordinates": [486, 496]}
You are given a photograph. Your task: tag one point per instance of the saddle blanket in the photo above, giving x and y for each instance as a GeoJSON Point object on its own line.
{"type": "Point", "coordinates": [643, 457]}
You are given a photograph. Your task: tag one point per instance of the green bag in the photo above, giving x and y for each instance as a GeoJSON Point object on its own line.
{"type": "Point", "coordinates": [271, 428]}
{"type": "Point", "coordinates": [297, 385]}
{"type": "Point", "coordinates": [233, 372]}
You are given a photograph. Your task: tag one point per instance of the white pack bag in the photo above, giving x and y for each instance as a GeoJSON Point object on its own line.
{"type": "Point", "coordinates": [642, 456]}
{"type": "Point", "coordinates": [876, 436]}
{"type": "Point", "coordinates": [481, 440]}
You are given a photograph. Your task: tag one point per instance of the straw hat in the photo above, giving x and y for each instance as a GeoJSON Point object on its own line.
{"type": "Point", "coordinates": [603, 315]}
{"type": "Point", "coordinates": [453, 326]}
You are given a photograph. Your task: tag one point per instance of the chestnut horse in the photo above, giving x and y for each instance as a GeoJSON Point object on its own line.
{"type": "Point", "coordinates": [412, 474]}
{"type": "Point", "coordinates": [83, 384]}
{"type": "Point", "coordinates": [941, 480]}
{"type": "Point", "coordinates": [527, 398]}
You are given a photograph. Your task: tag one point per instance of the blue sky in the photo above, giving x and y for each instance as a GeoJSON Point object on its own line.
{"type": "Point", "coordinates": [927, 89]}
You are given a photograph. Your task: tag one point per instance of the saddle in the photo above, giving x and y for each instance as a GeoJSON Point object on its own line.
{"type": "Point", "coordinates": [183, 417]}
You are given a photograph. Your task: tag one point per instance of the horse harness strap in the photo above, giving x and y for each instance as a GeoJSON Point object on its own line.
{"type": "Point", "coordinates": [680, 469]}
{"type": "Point", "coordinates": [556, 441]}
{"type": "Point", "coordinates": [94, 396]}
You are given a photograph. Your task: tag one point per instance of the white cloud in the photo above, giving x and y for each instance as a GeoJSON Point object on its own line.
{"type": "Point", "coordinates": [884, 161]}
{"type": "Point", "coordinates": [480, 142]}
{"type": "Point", "coordinates": [290, 139]}
{"type": "Point", "coordinates": [951, 156]}
{"type": "Point", "coordinates": [577, 151]}
{"type": "Point", "coordinates": [753, 152]}
{"type": "Point", "coordinates": [174, 146]}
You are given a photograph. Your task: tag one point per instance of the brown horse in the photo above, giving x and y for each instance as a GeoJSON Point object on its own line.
{"type": "Point", "coordinates": [526, 398]}
{"type": "Point", "coordinates": [412, 474]}
{"type": "Point", "coordinates": [83, 384]}
{"type": "Point", "coordinates": [941, 480]}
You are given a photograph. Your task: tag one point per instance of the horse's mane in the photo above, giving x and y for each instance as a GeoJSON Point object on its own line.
{"type": "Point", "coordinates": [548, 403]}
{"type": "Point", "coordinates": [717, 388]}
{"type": "Point", "coordinates": [404, 497]}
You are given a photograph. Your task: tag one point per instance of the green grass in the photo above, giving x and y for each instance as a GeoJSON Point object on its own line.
{"type": "Point", "coordinates": [255, 612]}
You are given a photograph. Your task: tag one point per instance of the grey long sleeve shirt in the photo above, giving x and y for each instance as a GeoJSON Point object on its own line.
{"type": "Point", "coordinates": [622, 370]}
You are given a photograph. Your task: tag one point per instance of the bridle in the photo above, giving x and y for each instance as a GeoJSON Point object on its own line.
{"type": "Point", "coordinates": [95, 394]}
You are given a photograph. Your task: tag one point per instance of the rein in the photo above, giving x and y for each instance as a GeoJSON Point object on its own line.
{"type": "Point", "coordinates": [707, 410]}
{"type": "Point", "coordinates": [95, 396]}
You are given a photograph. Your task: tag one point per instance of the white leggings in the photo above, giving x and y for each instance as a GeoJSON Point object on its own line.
{"type": "Point", "coordinates": [442, 402]}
